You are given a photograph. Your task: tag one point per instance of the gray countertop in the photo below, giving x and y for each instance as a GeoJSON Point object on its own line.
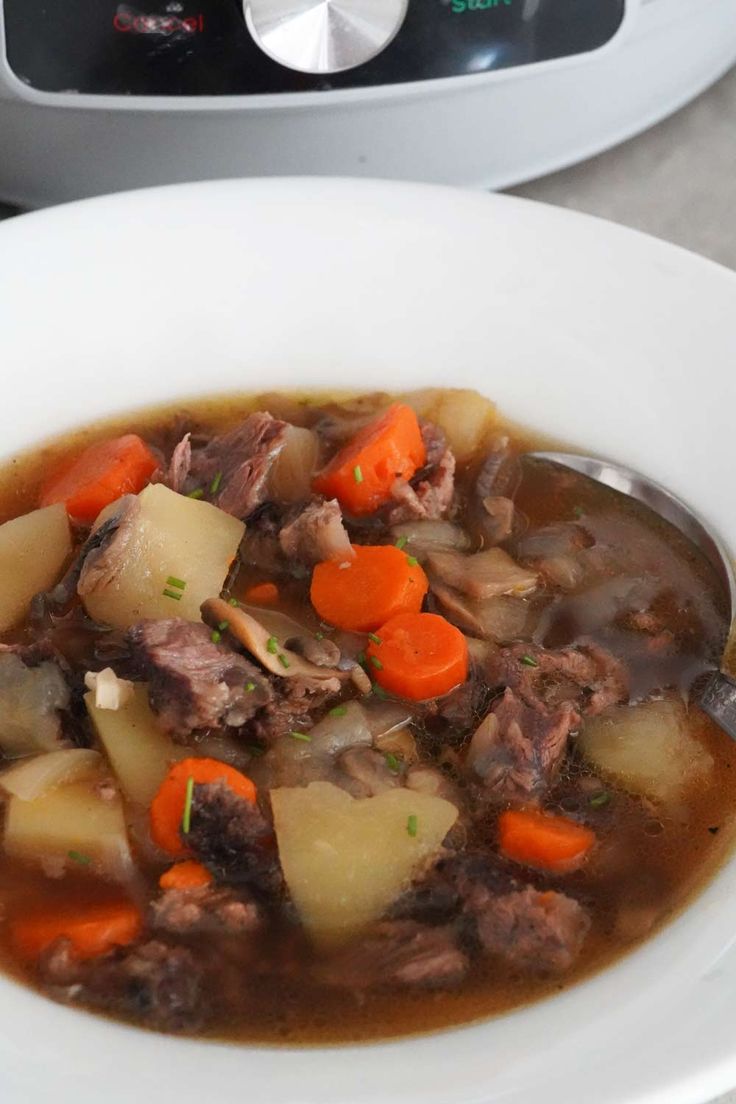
{"type": "Point", "coordinates": [676, 181]}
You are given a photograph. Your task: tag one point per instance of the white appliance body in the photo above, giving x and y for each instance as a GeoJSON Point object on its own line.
{"type": "Point", "coordinates": [489, 129]}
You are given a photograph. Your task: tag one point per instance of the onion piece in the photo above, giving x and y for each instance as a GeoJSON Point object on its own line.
{"type": "Point", "coordinates": [290, 478]}
{"type": "Point", "coordinates": [110, 691]}
{"type": "Point", "coordinates": [486, 574]}
{"type": "Point", "coordinates": [423, 536]}
{"type": "Point", "coordinates": [35, 777]}
{"type": "Point", "coordinates": [399, 742]}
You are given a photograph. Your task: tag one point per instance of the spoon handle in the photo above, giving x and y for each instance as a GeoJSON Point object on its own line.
{"type": "Point", "coordinates": [718, 700]}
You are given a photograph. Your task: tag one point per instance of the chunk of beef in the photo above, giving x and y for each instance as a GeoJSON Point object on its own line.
{"type": "Point", "coordinates": [176, 475]}
{"type": "Point", "coordinates": [540, 932]}
{"type": "Point", "coordinates": [517, 751]}
{"type": "Point", "coordinates": [316, 534]}
{"type": "Point", "coordinates": [398, 952]}
{"type": "Point", "coordinates": [291, 707]}
{"type": "Point", "coordinates": [435, 442]}
{"type": "Point", "coordinates": [586, 677]}
{"type": "Point", "coordinates": [152, 983]}
{"type": "Point", "coordinates": [430, 493]}
{"type": "Point", "coordinates": [205, 909]}
{"type": "Point", "coordinates": [232, 838]}
{"type": "Point", "coordinates": [238, 463]}
{"type": "Point", "coordinates": [193, 682]}
{"type": "Point", "coordinates": [458, 713]}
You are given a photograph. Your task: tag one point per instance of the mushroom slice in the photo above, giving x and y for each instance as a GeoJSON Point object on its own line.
{"type": "Point", "coordinates": [270, 652]}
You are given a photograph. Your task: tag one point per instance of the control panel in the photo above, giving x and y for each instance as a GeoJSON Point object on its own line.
{"type": "Point", "coordinates": [246, 47]}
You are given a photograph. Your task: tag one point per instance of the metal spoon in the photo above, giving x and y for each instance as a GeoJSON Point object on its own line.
{"type": "Point", "coordinates": [718, 696]}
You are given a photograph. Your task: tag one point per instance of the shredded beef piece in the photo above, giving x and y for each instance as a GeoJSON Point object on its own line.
{"type": "Point", "coordinates": [398, 952]}
{"type": "Point", "coordinates": [231, 837]}
{"type": "Point", "coordinates": [435, 443]}
{"type": "Point", "coordinates": [205, 909]}
{"type": "Point", "coordinates": [241, 461]}
{"type": "Point", "coordinates": [291, 706]}
{"type": "Point", "coordinates": [517, 751]}
{"type": "Point", "coordinates": [462, 709]}
{"type": "Point", "coordinates": [177, 472]}
{"type": "Point", "coordinates": [316, 534]}
{"type": "Point", "coordinates": [194, 683]}
{"type": "Point", "coordinates": [587, 677]}
{"type": "Point", "coordinates": [153, 983]}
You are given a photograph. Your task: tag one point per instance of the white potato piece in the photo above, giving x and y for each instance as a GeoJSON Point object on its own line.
{"type": "Point", "coordinates": [173, 537]}
{"type": "Point", "coordinates": [33, 550]}
{"type": "Point", "coordinates": [37, 776]}
{"type": "Point", "coordinates": [466, 416]}
{"type": "Point", "coordinates": [346, 860]}
{"type": "Point", "coordinates": [290, 478]}
{"type": "Point", "coordinates": [648, 748]}
{"type": "Point", "coordinates": [71, 823]}
{"type": "Point", "coordinates": [140, 753]}
{"type": "Point", "coordinates": [30, 700]}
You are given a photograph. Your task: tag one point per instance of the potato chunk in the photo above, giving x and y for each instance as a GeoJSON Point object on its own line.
{"type": "Point", "coordinates": [32, 778]}
{"type": "Point", "coordinates": [171, 537]}
{"type": "Point", "coordinates": [346, 860]}
{"type": "Point", "coordinates": [139, 752]}
{"type": "Point", "coordinates": [69, 824]}
{"type": "Point", "coordinates": [465, 416]}
{"type": "Point", "coordinates": [33, 549]}
{"type": "Point", "coordinates": [648, 748]}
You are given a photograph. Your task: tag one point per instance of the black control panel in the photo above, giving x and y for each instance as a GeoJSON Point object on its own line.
{"type": "Point", "coordinates": [203, 47]}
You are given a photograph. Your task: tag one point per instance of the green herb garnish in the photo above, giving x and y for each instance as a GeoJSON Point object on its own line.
{"type": "Point", "coordinates": [172, 581]}
{"type": "Point", "coordinates": [319, 636]}
{"type": "Point", "coordinates": [176, 595]}
{"type": "Point", "coordinates": [215, 484]}
{"type": "Point", "coordinates": [599, 800]}
{"type": "Point", "coordinates": [402, 543]}
{"type": "Point", "coordinates": [412, 825]}
{"type": "Point", "coordinates": [339, 711]}
{"type": "Point", "coordinates": [392, 762]}
{"type": "Point", "coordinates": [358, 473]}
{"type": "Point", "coordinates": [412, 561]}
{"type": "Point", "coordinates": [375, 639]}
{"type": "Point", "coordinates": [216, 637]}
{"type": "Point", "coordinates": [250, 687]}
{"type": "Point", "coordinates": [272, 645]}
{"type": "Point", "coordinates": [362, 659]}
{"type": "Point", "coordinates": [376, 663]}
{"type": "Point", "coordinates": [529, 661]}
{"type": "Point", "coordinates": [578, 511]}
{"type": "Point", "coordinates": [186, 818]}
{"type": "Point", "coordinates": [234, 602]}
{"type": "Point", "coordinates": [78, 857]}
{"type": "Point", "coordinates": [223, 625]}
{"type": "Point", "coordinates": [379, 691]}
{"type": "Point", "coordinates": [303, 736]}
{"type": "Point", "coordinates": [196, 493]}
{"type": "Point", "coordinates": [255, 749]}
{"type": "Point", "coordinates": [283, 660]}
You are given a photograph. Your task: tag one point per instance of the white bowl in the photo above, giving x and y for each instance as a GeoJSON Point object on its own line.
{"type": "Point", "coordinates": [595, 334]}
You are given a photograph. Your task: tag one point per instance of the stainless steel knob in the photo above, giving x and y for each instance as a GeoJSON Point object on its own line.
{"type": "Point", "coordinates": [323, 36]}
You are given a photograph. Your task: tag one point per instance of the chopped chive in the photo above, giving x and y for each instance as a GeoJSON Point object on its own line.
{"type": "Point", "coordinates": [186, 819]}
{"type": "Point", "coordinates": [216, 637]}
{"type": "Point", "coordinates": [303, 736]}
{"type": "Point", "coordinates": [283, 660]}
{"type": "Point", "coordinates": [412, 561]}
{"type": "Point", "coordinates": [379, 691]}
{"type": "Point", "coordinates": [599, 800]}
{"type": "Point", "coordinates": [376, 663]}
{"type": "Point", "coordinates": [255, 749]}
{"type": "Point", "coordinates": [375, 639]}
{"type": "Point", "coordinates": [578, 511]}
{"type": "Point", "coordinates": [412, 825]}
{"type": "Point", "coordinates": [529, 661]}
{"type": "Point", "coordinates": [319, 636]}
{"type": "Point", "coordinates": [272, 645]}
{"type": "Point", "coordinates": [250, 687]}
{"type": "Point", "coordinates": [196, 493]}
{"type": "Point", "coordinates": [180, 584]}
{"type": "Point", "coordinates": [402, 542]}
{"type": "Point", "coordinates": [358, 473]}
{"type": "Point", "coordinates": [223, 625]}
{"type": "Point", "coordinates": [234, 602]}
{"type": "Point", "coordinates": [172, 594]}
{"type": "Point", "coordinates": [78, 857]}
{"type": "Point", "coordinates": [392, 762]}
{"type": "Point", "coordinates": [361, 659]}
{"type": "Point", "coordinates": [339, 711]}
{"type": "Point", "coordinates": [215, 484]}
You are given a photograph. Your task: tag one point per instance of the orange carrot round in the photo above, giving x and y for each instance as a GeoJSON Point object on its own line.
{"type": "Point", "coordinates": [360, 594]}
{"type": "Point", "coordinates": [168, 806]}
{"type": "Point", "coordinates": [420, 656]}
{"type": "Point", "coordinates": [362, 473]}
{"type": "Point", "coordinates": [92, 931]}
{"type": "Point", "coordinates": [185, 875]}
{"type": "Point", "coordinates": [547, 842]}
{"type": "Point", "coordinates": [263, 594]}
{"type": "Point", "coordinates": [100, 475]}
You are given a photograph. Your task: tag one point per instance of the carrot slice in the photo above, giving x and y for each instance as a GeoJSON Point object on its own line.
{"type": "Point", "coordinates": [362, 473]}
{"type": "Point", "coordinates": [420, 656]}
{"type": "Point", "coordinates": [100, 475]}
{"type": "Point", "coordinates": [548, 842]}
{"type": "Point", "coordinates": [360, 594]}
{"type": "Point", "coordinates": [92, 931]}
{"type": "Point", "coordinates": [167, 807]}
{"type": "Point", "coordinates": [264, 594]}
{"type": "Point", "coordinates": [185, 875]}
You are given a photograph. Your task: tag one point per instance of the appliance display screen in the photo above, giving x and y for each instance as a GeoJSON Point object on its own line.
{"type": "Point", "coordinates": [203, 48]}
